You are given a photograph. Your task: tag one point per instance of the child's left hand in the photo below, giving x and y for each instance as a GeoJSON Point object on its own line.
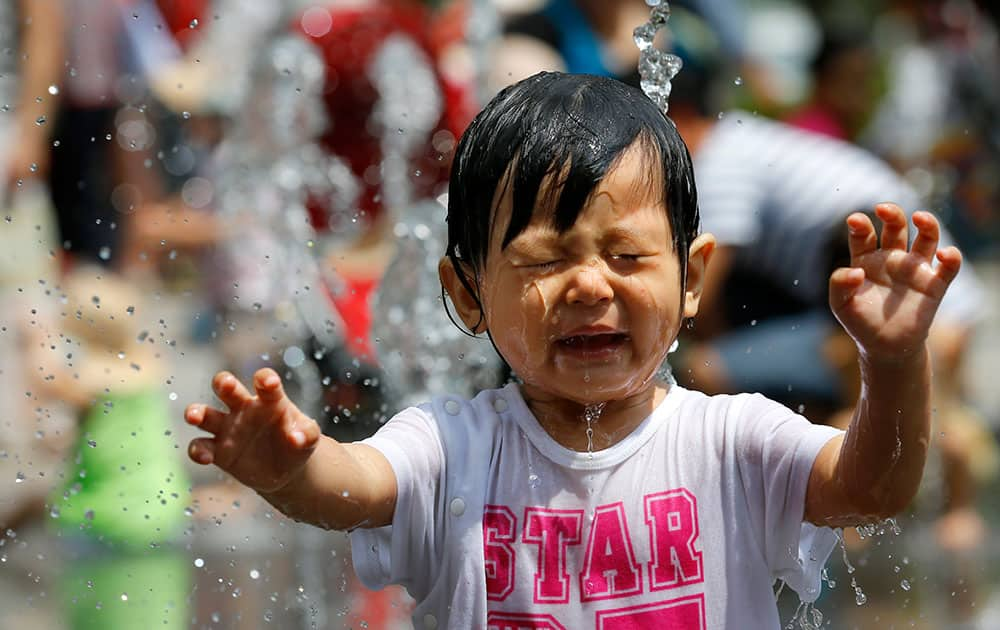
{"type": "Point", "coordinates": [887, 298]}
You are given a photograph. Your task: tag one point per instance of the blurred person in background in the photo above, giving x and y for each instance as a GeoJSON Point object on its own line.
{"type": "Point", "coordinates": [121, 501]}
{"type": "Point", "coordinates": [109, 167]}
{"type": "Point", "coordinates": [844, 90]}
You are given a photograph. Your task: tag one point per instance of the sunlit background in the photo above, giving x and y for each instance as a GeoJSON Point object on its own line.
{"type": "Point", "coordinates": [189, 185]}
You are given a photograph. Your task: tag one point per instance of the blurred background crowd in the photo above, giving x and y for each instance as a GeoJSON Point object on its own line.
{"type": "Point", "coordinates": [194, 185]}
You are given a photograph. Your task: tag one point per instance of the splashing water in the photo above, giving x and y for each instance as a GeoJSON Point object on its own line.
{"type": "Point", "coordinates": [878, 529]}
{"type": "Point", "coordinates": [656, 68]}
{"type": "Point", "coordinates": [592, 414]}
{"type": "Point", "coordinates": [806, 617]}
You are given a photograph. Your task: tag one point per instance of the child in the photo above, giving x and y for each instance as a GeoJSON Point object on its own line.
{"type": "Point", "coordinates": [592, 493]}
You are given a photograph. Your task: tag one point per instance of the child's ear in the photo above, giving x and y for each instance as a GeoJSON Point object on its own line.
{"type": "Point", "coordinates": [465, 303]}
{"type": "Point", "coordinates": [700, 253]}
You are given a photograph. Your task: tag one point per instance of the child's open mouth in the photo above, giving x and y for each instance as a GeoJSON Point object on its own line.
{"type": "Point", "coordinates": [592, 345]}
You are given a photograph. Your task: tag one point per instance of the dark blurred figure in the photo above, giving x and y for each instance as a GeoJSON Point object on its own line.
{"type": "Point", "coordinates": [845, 86]}
{"type": "Point", "coordinates": [106, 163]}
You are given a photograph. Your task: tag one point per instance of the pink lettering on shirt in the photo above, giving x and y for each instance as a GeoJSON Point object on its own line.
{"type": "Point", "coordinates": [499, 531]}
{"type": "Point", "coordinates": [683, 613]}
{"type": "Point", "coordinates": [610, 569]}
{"type": "Point", "coordinates": [672, 518]}
{"type": "Point", "coordinates": [521, 621]}
{"type": "Point", "coordinates": [552, 531]}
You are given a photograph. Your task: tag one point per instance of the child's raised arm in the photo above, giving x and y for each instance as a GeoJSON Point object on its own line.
{"type": "Point", "coordinates": [266, 443]}
{"type": "Point", "coordinates": [886, 302]}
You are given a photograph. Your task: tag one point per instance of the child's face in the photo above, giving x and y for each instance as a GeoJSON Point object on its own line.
{"type": "Point", "coordinates": [588, 315]}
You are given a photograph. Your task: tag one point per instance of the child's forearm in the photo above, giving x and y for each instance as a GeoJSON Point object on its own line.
{"type": "Point", "coordinates": [883, 454]}
{"type": "Point", "coordinates": [334, 490]}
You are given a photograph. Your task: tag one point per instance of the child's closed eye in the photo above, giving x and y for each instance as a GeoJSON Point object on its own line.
{"type": "Point", "coordinates": [542, 267]}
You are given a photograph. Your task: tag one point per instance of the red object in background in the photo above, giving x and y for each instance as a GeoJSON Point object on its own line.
{"type": "Point", "coordinates": [349, 42]}
{"type": "Point", "coordinates": [179, 15]}
{"type": "Point", "coordinates": [353, 304]}
{"type": "Point", "coordinates": [349, 46]}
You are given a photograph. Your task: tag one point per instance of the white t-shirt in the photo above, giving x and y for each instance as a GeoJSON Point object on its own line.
{"type": "Point", "coordinates": [776, 192]}
{"type": "Point", "coordinates": [686, 523]}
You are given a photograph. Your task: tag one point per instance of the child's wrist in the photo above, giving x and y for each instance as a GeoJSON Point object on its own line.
{"type": "Point", "coordinates": [901, 359]}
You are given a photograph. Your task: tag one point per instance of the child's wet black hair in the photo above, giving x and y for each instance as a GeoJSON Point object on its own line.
{"type": "Point", "coordinates": [574, 127]}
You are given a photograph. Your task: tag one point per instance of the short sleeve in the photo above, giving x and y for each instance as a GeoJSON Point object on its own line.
{"type": "Point", "coordinates": [407, 551]}
{"type": "Point", "coordinates": [776, 450]}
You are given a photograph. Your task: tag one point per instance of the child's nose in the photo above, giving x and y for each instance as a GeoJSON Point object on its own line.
{"type": "Point", "coordinates": [589, 285]}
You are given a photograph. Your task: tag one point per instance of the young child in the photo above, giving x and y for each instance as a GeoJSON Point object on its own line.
{"type": "Point", "coordinates": [592, 493]}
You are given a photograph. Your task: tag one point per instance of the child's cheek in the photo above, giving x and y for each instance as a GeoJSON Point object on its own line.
{"type": "Point", "coordinates": [537, 320]}
{"type": "Point", "coordinates": [656, 314]}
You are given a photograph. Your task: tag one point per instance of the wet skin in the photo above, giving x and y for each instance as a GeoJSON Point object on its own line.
{"type": "Point", "coordinates": [586, 317]}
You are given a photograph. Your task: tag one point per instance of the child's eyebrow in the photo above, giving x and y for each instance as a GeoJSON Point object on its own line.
{"type": "Point", "coordinates": [532, 243]}
{"type": "Point", "coordinates": [620, 233]}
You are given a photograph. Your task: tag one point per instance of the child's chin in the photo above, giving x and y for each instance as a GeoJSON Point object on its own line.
{"type": "Point", "coordinates": [599, 390]}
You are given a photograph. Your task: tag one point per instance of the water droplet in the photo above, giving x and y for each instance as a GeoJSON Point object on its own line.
{"type": "Point", "coordinates": [33, 168]}
{"type": "Point", "coordinates": [198, 562]}
{"type": "Point", "coordinates": [92, 443]}
{"type": "Point", "coordinates": [53, 89]}
{"type": "Point", "coordinates": [905, 585]}
{"type": "Point", "coordinates": [40, 121]}
{"type": "Point", "coordinates": [738, 81]}
{"type": "Point", "coordinates": [293, 356]}
{"type": "Point", "coordinates": [172, 396]}
{"type": "Point", "coordinates": [254, 574]}
{"type": "Point", "coordinates": [104, 253]}
{"type": "Point", "coordinates": [19, 477]}
{"type": "Point", "coordinates": [124, 597]}
{"type": "Point", "coordinates": [89, 515]}
{"type": "Point", "coordinates": [533, 480]}
{"type": "Point", "coordinates": [186, 115]}
{"type": "Point", "coordinates": [859, 596]}
{"type": "Point", "coordinates": [457, 506]}
{"type": "Point", "coordinates": [193, 24]}
{"type": "Point", "coordinates": [452, 407]}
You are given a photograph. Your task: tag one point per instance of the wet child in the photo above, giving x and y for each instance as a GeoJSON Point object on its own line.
{"type": "Point", "coordinates": [594, 491]}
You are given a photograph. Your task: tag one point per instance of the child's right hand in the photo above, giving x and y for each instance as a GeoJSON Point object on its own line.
{"type": "Point", "coordinates": [263, 441]}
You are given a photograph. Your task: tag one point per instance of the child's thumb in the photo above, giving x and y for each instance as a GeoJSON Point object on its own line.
{"type": "Point", "coordinates": [844, 284]}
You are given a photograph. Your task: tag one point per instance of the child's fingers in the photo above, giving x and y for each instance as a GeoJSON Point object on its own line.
{"type": "Point", "coordinates": [862, 238]}
{"type": "Point", "coordinates": [267, 383]}
{"type": "Point", "coordinates": [230, 390]}
{"type": "Point", "coordinates": [928, 234]}
{"type": "Point", "coordinates": [205, 417]}
{"type": "Point", "coordinates": [844, 284]}
{"type": "Point", "coordinates": [950, 260]}
{"type": "Point", "coordinates": [202, 450]}
{"type": "Point", "coordinates": [894, 227]}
